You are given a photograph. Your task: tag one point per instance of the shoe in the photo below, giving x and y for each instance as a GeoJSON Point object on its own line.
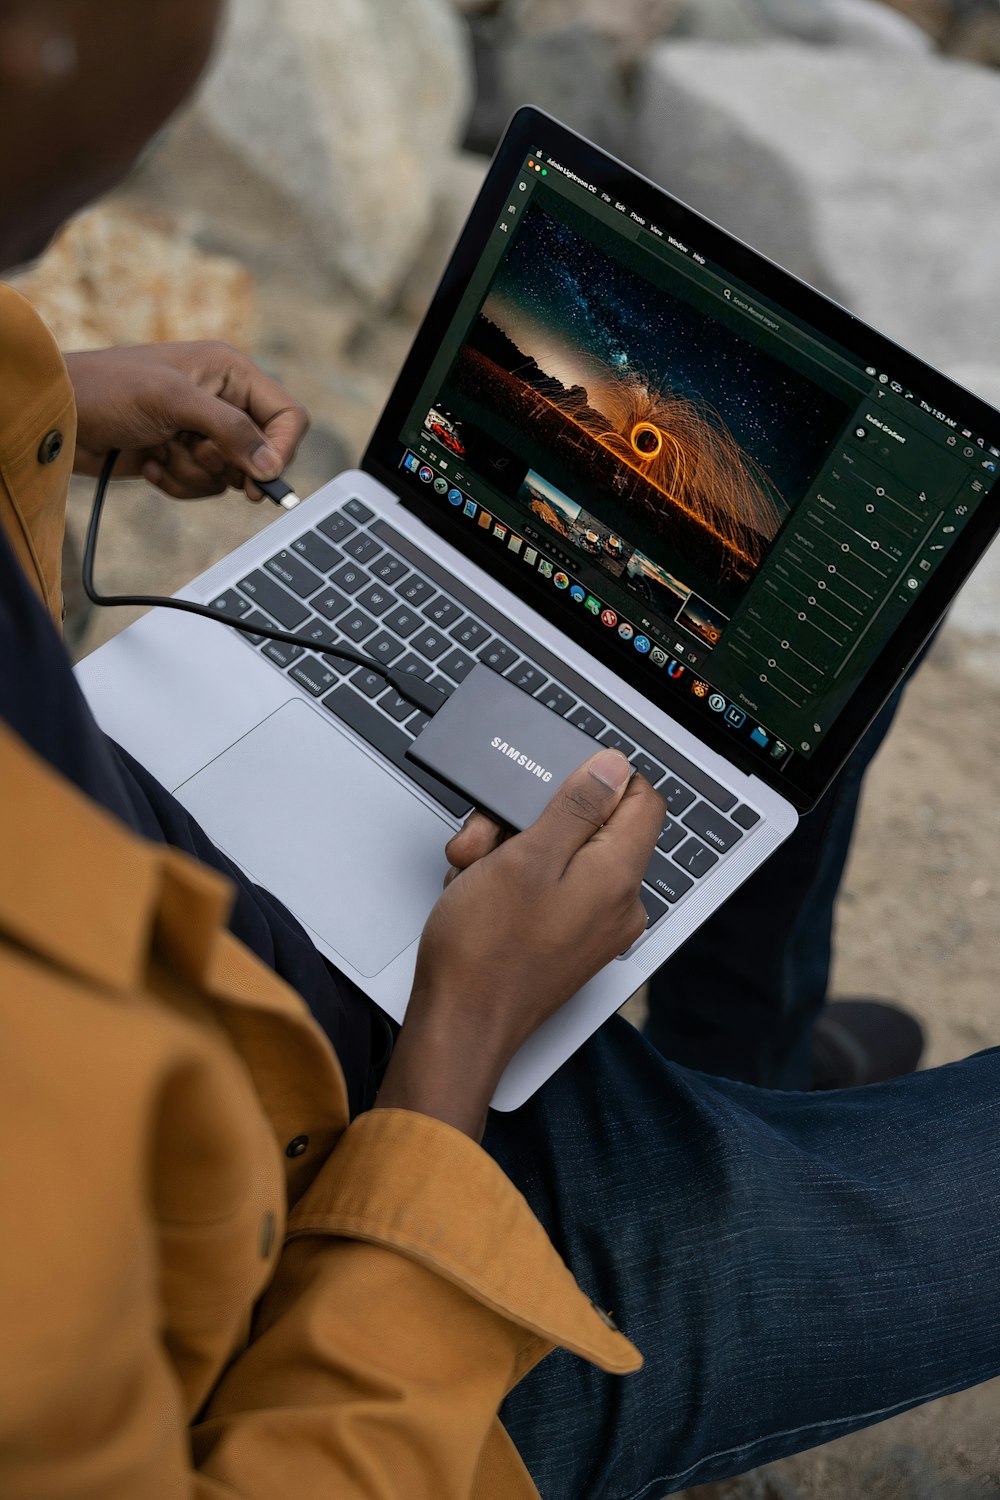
{"type": "Point", "coordinates": [864, 1041]}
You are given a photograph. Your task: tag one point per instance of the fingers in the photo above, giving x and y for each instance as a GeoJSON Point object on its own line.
{"type": "Point", "coordinates": [582, 805]}
{"type": "Point", "coordinates": [628, 838]}
{"type": "Point", "coordinates": [479, 837]}
{"type": "Point", "coordinates": [180, 471]}
{"type": "Point", "coordinates": [282, 421]}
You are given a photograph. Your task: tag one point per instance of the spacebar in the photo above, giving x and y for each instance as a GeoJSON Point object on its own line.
{"type": "Point", "coordinates": [358, 714]}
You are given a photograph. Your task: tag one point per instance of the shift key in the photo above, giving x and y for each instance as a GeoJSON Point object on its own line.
{"type": "Point", "coordinates": [274, 599]}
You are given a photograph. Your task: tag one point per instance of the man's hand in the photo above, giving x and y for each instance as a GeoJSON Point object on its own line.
{"type": "Point", "coordinates": [526, 922]}
{"type": "Point", "coordinates": [192, 419]}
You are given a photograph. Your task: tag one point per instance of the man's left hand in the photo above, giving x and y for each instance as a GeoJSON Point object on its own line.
{"type": "Point", "coordinates": [192, 419]}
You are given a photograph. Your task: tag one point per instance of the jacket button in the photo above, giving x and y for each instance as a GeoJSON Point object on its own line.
{"type": "Point", "coordinates": [267, 1230]}
{"type": "Point", "coordinates": [298, 1147]}
{"type": "Point", "coordinates": [52, 446]}
{"type": "Point", "coordinates": [605, 1318]}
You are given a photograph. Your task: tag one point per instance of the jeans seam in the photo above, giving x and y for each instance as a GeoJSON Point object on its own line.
{"type": "Point", "coordinates": [859, 1420]}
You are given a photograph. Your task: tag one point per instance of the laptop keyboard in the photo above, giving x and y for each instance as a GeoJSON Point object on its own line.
{"type": "Point", "coordinates": [353, 580]}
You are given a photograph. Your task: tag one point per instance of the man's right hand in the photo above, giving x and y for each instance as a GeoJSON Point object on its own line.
{"type": "Point", "coordinates": [523, 926]}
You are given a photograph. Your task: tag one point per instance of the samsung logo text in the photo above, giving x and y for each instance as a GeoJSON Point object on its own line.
{"type": "Point", "coordinates": [512, 753]}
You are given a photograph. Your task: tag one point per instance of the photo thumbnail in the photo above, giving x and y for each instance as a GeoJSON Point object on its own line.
{"type": "Point", "coordinates": [702, 620]}
{"type": "Point", "coordinates": [574, 524]}
{"type": "Point", "coordinates": [661, 590]}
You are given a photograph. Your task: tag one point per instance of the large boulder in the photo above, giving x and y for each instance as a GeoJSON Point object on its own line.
{"type": "Point", "coordinates": [320, 135]}
{"type": "Point", "coordinates": [876, 178]}
{"type": "Point", "coordinates": [115, 276]}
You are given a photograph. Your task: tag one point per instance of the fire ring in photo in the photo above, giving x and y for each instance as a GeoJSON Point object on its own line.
{"type": "Point", "coordinates": [647, 440]}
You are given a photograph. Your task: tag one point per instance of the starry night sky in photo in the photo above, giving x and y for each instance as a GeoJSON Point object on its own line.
{"type": "Point", "coordinates": [573, 308]}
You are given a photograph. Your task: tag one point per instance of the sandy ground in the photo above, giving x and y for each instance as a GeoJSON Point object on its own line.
{"type": "Point", "coordinates": [918, 916]}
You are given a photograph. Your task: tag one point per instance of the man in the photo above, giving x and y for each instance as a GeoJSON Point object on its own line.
{"type": "Point", "coordinates": [230, 1269]}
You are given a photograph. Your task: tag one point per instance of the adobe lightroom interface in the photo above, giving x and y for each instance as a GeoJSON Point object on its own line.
{"type": "Point", "coordinates": [746, 506]}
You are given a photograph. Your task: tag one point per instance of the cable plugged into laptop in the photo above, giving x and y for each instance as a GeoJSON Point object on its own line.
{"type": "Point", "coordinates": [409, 687]}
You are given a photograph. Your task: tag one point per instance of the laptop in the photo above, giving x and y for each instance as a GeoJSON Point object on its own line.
{"type": "Point", "coordinates": [646, 476]}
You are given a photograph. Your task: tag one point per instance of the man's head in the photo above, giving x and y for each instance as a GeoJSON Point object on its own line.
{"type": "Point", "coordinates": [84, 85]}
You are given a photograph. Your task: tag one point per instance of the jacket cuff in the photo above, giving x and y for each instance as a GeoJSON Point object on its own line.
{"type": "Point", "coordinates": [416, 1185]}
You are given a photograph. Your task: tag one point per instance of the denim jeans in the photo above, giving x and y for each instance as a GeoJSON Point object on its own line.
{"type": "Point", "coordinates": [792, 1266]}
{"type": "Point", "coordinates": [742, 995]}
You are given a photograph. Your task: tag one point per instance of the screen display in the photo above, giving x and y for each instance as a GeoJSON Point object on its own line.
{"type": "Point", "coordinates": [737, 503]}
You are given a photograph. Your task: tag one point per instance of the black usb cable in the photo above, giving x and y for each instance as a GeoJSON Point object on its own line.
{"type": "Point", "coordinates": [428, 699]}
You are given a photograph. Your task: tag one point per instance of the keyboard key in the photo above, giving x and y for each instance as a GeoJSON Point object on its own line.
{"type": "Point", "coordinates": [415, 590]}
{"type": "Point", "coordinates": [373, 727]}
{"type": "Point", "coordinates": [667, 880]}
{"type": "Point", "coordinates": [389, 568]}
{"type": "Point", "coordinates": [331, 604]}
{"type": "Point", "coordinates": [413, 664]}
{"type": "Point", "coordinates": [320, 634]}
{"type": "Point", "coordinates": [274, 600]}
{"type": "Point", "coordinates": [255, 618]}
{"type": "Point", "coordinates": [372, 684]}
{"type": "Point", "coordinates": [418, 722]}
{"type": "Point", "coordinates": [350, 577]}
{"type": "Point", "coordinates": [376, 599]}
{"type": "Point", "coordinates": [470, 634]}
{"type": "Point", "coordinates": [617, 741]}
{"type": "Point", "coordinates": [293, 572]}
{"type": "Point", "coordinates": [695, 858]}
{"type": "Point", "coordinates": [498, 656]}
{"type": "Point", "coordinates": [403, 621]}
{"type": "Point", "coordinates": [443, 684]}
{"type": "Point", "coordinates": [317, 552]}
{"type": "Point", "coordinates": [676, 796]}
{"type": "Point", "coordinates": [713, 828]}
{"type": "Point", "coordinates": [280, 654]}
{"type": "Point", "coordinates": [442, 611]}
{"type": "Point", "coordinates": [745, 816]}
{"type": "Point", "coordinates": [670, 837]}
{"type": "Point", "coordinates": [396, 707]}
{"type": "Point", "coordinates": [357, 626]}
{"type": "Point", "coordinates": [529, 678]}
{"type": "Point", "coordinates": [587, 721]}
{"type": "Point", "coordinates": [362, 548]}
{"type": "Point", "coordinates": [655, 908]}
{"type": "Point", "coordinates": [555, 698]}
{"type": "Point", "coordinates": [385, 647]}
{"type": "Point", "coordinates": [315, 676]}
{"type": "Point", "coordinates": [649, 768]}
{"type": "Point", "coordinates": [430, 643]}
{"type": "Point", "coordinates": [230, 603]}
{"type": "Point", "coordinates": [337, 526]}
{"type": "Point", "coordinates": [703, 784]}
{"type": "Point", "coordinates": [457, 665]}
{"type": "Point", "coordinates": [358, 510]}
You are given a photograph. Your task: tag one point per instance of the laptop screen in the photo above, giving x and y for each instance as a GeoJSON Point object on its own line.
{"type": "Point", "coordinates": [738, 509]}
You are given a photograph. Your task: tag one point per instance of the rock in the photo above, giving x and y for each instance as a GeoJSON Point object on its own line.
{"type": "Point", "coordinates": [458, 189]}
{"type": "Point", "coordinates": [977, 38]}
{"type": "Point", "coordinates": [345, 111]}
{"type": "Point", "coordinates": [116, 277]}
{"type": "Point", "coordinates": [875, 28]}
{"type": "Point", "coordinates": [629, 25]}
{"type": "Point", "coordinates": [876, 178]}
{"type": "Point", "coordinates": [932, 16]}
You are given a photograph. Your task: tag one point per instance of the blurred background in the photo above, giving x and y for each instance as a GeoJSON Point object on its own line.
{"type": "Point", "coordinates": [304, 208]}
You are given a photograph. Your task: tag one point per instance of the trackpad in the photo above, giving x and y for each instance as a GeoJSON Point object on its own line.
{"type": "Point", "coordinates": [312, 818]}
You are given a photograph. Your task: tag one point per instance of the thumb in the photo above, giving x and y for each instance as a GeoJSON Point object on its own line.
{"type": "Point", "coordinates": [236, 435]}
{"type": "Point", "coordinates": [581, 806]}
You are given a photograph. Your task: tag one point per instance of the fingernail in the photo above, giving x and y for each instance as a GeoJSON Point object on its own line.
{"type": "Point", "coordinates": [611, 769]}
{"type": "Point", "coordinates": [266, 463]}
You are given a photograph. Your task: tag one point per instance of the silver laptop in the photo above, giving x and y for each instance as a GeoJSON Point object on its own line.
{"type": "Point", "coordinates": [648, 477]}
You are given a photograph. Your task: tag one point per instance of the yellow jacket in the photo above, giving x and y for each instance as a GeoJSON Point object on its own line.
{"type": "Point", "coordinates": [185, 1309]}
